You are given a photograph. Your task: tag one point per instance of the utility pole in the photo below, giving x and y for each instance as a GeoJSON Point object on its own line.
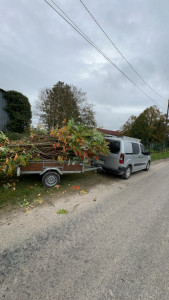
{"type": "Point", "coordinates": [166, 124]}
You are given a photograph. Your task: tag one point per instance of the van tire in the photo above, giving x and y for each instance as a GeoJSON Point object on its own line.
{"type": "Point", "coordinates": [147, 166]}
{"type": "Point", "coordinates": [50, 179]}
{"type": "Point", "coordinates": [127, 173]}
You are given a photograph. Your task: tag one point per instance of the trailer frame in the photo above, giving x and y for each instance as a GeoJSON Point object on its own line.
{"type": "Point", "coordinates": [51, 170]}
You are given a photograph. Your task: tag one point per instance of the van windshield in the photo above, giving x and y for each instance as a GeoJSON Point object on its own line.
{"type": "Point", "coordinates": [114, 146]}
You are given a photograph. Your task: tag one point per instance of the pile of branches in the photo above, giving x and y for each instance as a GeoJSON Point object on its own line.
{"type": "Point", "coordinates": [70, 143]}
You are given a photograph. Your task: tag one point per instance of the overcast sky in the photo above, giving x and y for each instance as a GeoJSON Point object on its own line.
{"type": "Point", "coordinates": [38, 49]}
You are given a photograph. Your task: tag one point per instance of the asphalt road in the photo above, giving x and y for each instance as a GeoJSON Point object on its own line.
{"type": "Point", "coordinates": [116, 249]}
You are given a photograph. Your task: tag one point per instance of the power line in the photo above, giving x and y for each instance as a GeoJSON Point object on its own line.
{"type": "Point", "coordinates": [97, 48]}
{"type": "Point", "coordinates": [120, 51]}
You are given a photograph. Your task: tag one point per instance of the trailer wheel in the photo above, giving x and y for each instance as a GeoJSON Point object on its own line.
{"type": "Point", "coordinates": [50, 179]}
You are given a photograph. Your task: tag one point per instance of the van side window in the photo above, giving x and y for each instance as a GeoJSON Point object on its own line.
{"type": "Point", "coordinates": [136, 149]}
{"type": "Point", "coordinates": [114, 146]}
{"type": "Point", "coordinates": [128, 149]}
{"type": "Point", "coordinates": [143, 150]}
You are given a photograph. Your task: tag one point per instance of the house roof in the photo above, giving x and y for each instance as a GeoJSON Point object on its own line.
{"type": "Point", "coordinates": [110, 132]}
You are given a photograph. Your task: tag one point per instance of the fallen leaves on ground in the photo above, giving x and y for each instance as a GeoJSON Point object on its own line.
{"type": "Point", "coordinates": [76, 187]}
{"type": "Point", "coordinates": [74, 207]}
{"type": "Point", "coordinates": [62, 211]}
{"type": "Point", "coordinates": [84, 192]}
{"type": "Point", "coordinates": [27, 211]}
{"type": "Point", "coordinates": [39, 200]}
{"type": "Point", "coordinates": [10, 186]}
{"type": "Point", "coordinates": [57, 186]}
{"type": "Point", "coordinates": [25, 203]}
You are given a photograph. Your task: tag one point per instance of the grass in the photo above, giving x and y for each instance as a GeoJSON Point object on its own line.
{"type": "Point", "coordinates": [159, 155]}
{"type": "Point", "coordinates": [28, 189]}
{"type": "Point", "coordinates": [62, 212]}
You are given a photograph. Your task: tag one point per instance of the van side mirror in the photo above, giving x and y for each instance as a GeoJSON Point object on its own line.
{"type": "Point", "coordinates": [146, 153]}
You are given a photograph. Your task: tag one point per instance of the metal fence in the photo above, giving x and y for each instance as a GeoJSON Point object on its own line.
{"type": "Point", "coordinates": [158, 147]}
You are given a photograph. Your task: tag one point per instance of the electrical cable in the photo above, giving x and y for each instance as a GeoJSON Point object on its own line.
{"type": "Point", "coordinates": [120, 51]}
{"type": "Point", "coordinates": [97, 48]}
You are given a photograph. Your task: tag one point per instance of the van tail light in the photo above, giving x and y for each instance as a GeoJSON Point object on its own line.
{"type": "Point", "coordinates": [121, 161]}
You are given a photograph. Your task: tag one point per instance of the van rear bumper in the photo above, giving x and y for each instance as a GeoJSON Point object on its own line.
{"type": "Point", "coordinates": [118, 171]}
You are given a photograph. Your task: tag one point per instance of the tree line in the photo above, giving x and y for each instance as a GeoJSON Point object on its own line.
{"type": "Point", "coordinates": [149, 126]}
{"type": "Point", "coordinates": [62, 101]}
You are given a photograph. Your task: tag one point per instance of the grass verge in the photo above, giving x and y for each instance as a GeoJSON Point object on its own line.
{"type": "Point", "coordinates": [159, 155]}
{"type": "Point", "coordinates": [28, 190]}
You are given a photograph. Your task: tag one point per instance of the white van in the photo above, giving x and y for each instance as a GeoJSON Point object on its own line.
{"type": "Point", "coordinates": [127, 155]}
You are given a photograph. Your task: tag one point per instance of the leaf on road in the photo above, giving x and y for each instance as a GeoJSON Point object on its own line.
{"type": "Point", "coordinates": [62, 211]}
{"type": "Point", "coordinates": [84, 192]}
{"type": "Point", "coordinates": [39, 200]}
{"type": "Point", "coordinates": [57, 186]}
{"type": "Point", "coordinates": [76, 187]}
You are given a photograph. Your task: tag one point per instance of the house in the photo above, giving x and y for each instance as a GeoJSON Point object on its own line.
{"type": "Point", "coordinates": [110, 132]}
{"type": "Point", "coordinates": [4, 118]}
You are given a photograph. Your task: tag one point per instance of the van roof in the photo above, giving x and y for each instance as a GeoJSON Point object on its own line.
{"type": "Point", "coordinates": [111, 137]}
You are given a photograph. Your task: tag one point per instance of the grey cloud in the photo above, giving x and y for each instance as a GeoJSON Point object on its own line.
{"type": "Point", "coordinates": [38, 48]}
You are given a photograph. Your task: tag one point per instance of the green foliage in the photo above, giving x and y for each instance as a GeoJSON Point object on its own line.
{"type": "Point", "coordinates": [157, 156]}
{"type": "Point", "coordinates": [140, 128]}
{"type": "Point", "coordinates": [61, 102]}
{"type": "Point", "coordinates": [62, 212]}
{"type": "Point", "coordinates": [15, 136]}
{"type": "Point", "coordinates": [149, 125]}
{"type": "Point", "coordinates": [82, 140]}
{"type": "Point", "coordinates": [3, 139]}
{"type": "Point", "coordinates": [127, 126]}
{"type": "Point", "coordinates": [19, 111]}
{"type": "Point", "coordinates": [69, 143]}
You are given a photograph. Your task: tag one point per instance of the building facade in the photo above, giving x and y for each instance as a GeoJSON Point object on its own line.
{"type": "Point", "coordinates": [4, 118]}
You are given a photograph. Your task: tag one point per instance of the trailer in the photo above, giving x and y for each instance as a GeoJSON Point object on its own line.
{"type": "Point", "coordinates": [52, 170]}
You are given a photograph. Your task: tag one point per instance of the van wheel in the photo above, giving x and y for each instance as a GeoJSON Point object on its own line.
{"type": "Point", "coordinates": [147, 166]}
{"type": "Point", "coordinates": [50, 179]}
{"type": "Point", "coordinates": [127, 173]}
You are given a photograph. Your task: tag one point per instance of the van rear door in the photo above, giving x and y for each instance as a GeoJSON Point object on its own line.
{"type": "Point", "coordinates": [112, 160]}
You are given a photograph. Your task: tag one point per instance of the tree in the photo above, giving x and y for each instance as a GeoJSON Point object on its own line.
{"type": "Point", "coordinates": [140, 128]}
{"type": "Point", "coordinates": [156, 123]}
{"type": "Point", "coordinates": [149, 125]}
{"type": "Point", "coordinates": [127, 126]}
{"type": "Point", "coordinates": [19, 111]}
{"type": "Point", "coordinates": [61, 102]}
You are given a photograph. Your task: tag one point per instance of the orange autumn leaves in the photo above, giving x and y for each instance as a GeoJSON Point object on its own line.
{"type": "Point", "coordinates": [80, 141]}
{"type": "Point", "coordinates": [72, 142]}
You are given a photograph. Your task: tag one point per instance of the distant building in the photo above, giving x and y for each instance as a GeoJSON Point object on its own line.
{"type": "Point", "coordinates": [4, 118]}
{"type": "Point", "coordinates": [110, 132]}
